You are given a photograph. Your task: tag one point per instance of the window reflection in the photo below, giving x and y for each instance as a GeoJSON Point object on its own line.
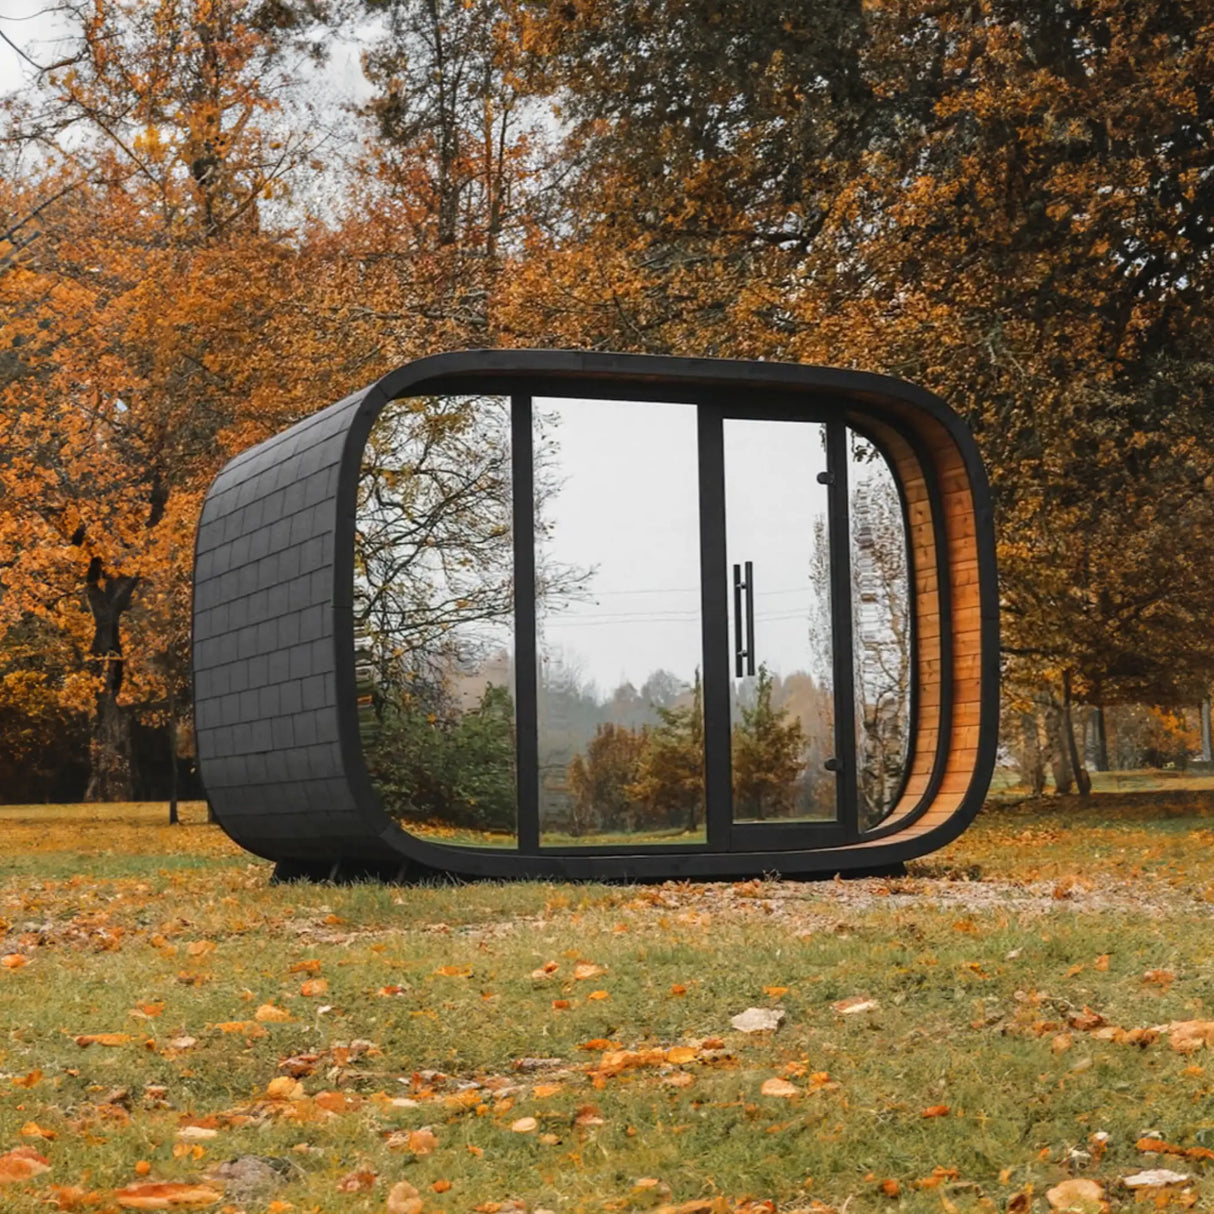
{"type": "Point", "coordinates": [434, 617]}
{"type": "Point", "coordinates": [778, 551]}
{"type": "Point", "coordinates": [620, 711]}
{"type": "Point", "coordinates": [881, 629]}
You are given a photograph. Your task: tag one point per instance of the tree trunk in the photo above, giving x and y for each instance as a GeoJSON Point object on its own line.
{"type": "Point", "coordinates": [110, 775]}
{"type": "Point", "coordinates": [1060, 759]}
{"type": "Point", "coordinates": [1100, 739]}
{"type": "Point", "coordinates": [1082, 778]}
{"type": "Point", "coordinates": [1032, 763]}
{"type": "Point", "coordinates": [1207, 744]}
{"type": "Point", "coordinates": [174, 819]}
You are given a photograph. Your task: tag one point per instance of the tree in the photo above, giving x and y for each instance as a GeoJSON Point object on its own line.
{"type": "Point", "coordinates": [602, 781]}
{"type": "Point", "coordinates": [133, 272]}
{"type": "Point", "coordinates": [982, 198]}
{"type": "Point", "coordinates": [768, 744]}
{"type": "Point", "coordinates": [670, 775]}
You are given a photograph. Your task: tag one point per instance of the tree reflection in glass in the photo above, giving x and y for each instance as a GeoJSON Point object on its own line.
{"type": "Point", "coordinates": [434, 614]}
{"type": "Point", "coordinates": [881, 629]}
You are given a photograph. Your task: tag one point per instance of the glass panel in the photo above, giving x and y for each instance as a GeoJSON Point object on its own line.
{"type": "Point", "coordinates": [880, 630]}
{"type": "Point", "coordinates": [621, 733]}
{"type": "Point", "coordinates": [782, 710]}
{"type": "Point", "coordinates": [434, 618]}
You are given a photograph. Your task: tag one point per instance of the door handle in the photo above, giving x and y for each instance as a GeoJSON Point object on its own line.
{"type": "Point", "coordinates": [743, 605]}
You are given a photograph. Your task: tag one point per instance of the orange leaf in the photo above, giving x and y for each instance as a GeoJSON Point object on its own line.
{"type": "Point", "coordinates": [102, 1039]}
{"type": "Point", "coordinates": [21, 1163]}
{"type": "Point", "coordinates": [268, 1012]}
{"type": "Point", "coordinates": [454, 971]}
{"type": "Point", "coordinates": [14, 961]}
{"type": "Point", "coordinates": [314, 987]}
{"type": "Point", "coordinates": [356, 1182]}
{"type": "Point", "coordinates": [311, 966]}
{"type": "Point", "coordinates": [160, 1196]}
{"type": "Point", "coordinates": [423, 1142]}
{"type": "Point", "coordinates": [441, 1186]}
{"type": "Point", "coordinates": [32, 1129]}
{"type": "Point", "coordinates": [936, 1110]}
{"type": "Point", "coordinates": [587, 969]}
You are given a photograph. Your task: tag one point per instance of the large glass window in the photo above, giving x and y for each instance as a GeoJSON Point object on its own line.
{"type": "Point", "coordinates": [881, 629]}
{"type": "Point", "coordinates": [434, 617]}
{"type": "Point", "coordinates": [618, 629]}
{"type": "Point", "coordinates": [778, 556]}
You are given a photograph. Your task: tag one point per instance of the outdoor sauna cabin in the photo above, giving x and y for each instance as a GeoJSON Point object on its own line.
{"type": "Point", "coordinates": [584, 615]}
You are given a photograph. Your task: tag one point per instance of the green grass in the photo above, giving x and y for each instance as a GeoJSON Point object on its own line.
{"type": "Point", "coordinates": [976, 961]}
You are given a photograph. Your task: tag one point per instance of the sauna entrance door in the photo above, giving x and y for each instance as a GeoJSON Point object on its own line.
{"type": "Point", "coordinates": [780, 690]}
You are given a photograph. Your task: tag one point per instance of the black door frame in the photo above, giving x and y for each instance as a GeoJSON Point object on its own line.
{"type": "Point", "coordinates": [722, 832]}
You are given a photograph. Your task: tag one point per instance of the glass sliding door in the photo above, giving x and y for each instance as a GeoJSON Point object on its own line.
{"type": "Point", "coordinates": [619, 700]}
{"type": "Point", "coordinates": [782, 659]}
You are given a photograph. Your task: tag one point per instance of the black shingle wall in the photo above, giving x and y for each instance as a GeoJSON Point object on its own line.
{"type": "Point", "coordinates": [264, 658]}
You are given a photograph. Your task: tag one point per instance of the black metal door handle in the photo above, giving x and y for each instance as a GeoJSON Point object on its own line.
{"type": "Point", "coordinates": [833, 764]}
{"type": "Point", "coordinates": [743, 597]}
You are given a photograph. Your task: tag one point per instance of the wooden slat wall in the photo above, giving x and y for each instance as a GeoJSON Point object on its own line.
{"type": "Point", "coordinates": [960, 732]}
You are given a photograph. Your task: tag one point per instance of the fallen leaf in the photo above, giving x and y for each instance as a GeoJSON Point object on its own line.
{"type": "Point", "coordinates": [284, 1088]}
{"type": "Point", "coordinates": [1154, 1178]}
{"type": "Point", "coordinates": [543, 1090]}
{"type": "Point", "coordinates": [14, 961]}
{"type": "Point", "coordinates": [524, 1125]}
{"type": "Point", "coordinates": [1077, 1196]}
{"type": "Point", "coordinates": [403, 1198]}
{"type": "Point", "coordinates": [1160, 1147]}
{"type": "Point", "coordinates": [599, 995]}
{"type": "Point", "coordinates": [268, 1012]}
{"type": "Point", "coordinates": [774, 992]}
{"type": "Point", "coordinates": [679, 1055]}
{"type": "Point", "coordinates": [196, 1133]}
{"type": "Point", "coordinates": [779, 1087]}
{"type": "Point", "coordinates": [423, 1142]}
{"type": "Point", "coordinates": [314, 987]}
{"type": "Point", "coordinates": [356, 1182]}
{"type": "Point", "coordinates": [891, 1188]}
{"type": "Point", "coordinates": [86, 1039]}
{"type": "Point", "coordinates": [21, 1163]}
{"type": "Point", "coordinates": [1160, 978]}
{"type": "Point", "coordinates": [758, 1020]}
{"type": "Point", "coordinates": [587, 969]}
{"type": "Point", "coordinates": [856, 1003]}
{"type": "Point", "coordinates": [454, 971]}
{"type": "Point", "coordinates": [310, 966]}
{"type": "Point", "coordinates": [73, 1197]}
{"type": "Point", "coordinates": [936, 1110]}
{"type": "Point", "coordinates": [166, 1196]}
{"type": "Point", "coordinates": [32, 1129]}
{"type": "Point", "coordinates": [546, 970]}
{"type": "Point", "coordinates": [200, 948]}
{"type": "Point", "coordinates": [1188, 1036]}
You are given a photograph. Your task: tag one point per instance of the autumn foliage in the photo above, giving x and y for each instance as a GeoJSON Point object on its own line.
{"type": "Point", "coordinates": [1009, 202]}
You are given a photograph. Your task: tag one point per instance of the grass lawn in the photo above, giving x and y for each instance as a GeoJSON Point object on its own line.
{"type": "Point", "coordinates": [569, 1047]}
